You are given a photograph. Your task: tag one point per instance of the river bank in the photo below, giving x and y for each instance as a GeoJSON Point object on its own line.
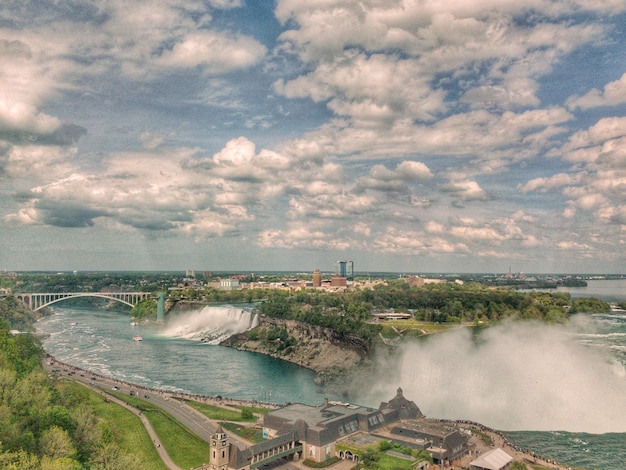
{"type": "Point", "coordinates": [483, 437]}
{"type": "Point", "coordinates": [55, 366]}
{"type": "Point", "coordinates": [319, 349]}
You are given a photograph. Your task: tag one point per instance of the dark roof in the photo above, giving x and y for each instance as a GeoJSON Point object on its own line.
{"type": "Point", "coordinates": [271, 443]}
{"type": "Point", "coordinates": [324, 424]}
{"type": "Point", "coordinates": [407, 409]}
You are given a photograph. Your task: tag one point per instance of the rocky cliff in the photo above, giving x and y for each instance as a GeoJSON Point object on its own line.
{"type": "Point", "coordinates": [323, 350]}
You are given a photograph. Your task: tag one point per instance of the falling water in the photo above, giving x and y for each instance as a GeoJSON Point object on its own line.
{"type": "Point", "coordinates": [211, 324]}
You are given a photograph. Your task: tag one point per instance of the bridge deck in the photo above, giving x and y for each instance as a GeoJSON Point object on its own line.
{"type": "Point", "coordinates": [39, 300]}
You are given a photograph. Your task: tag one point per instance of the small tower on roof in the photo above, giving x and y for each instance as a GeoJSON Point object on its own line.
{"type": "Point", "coordinates": [406, 409]}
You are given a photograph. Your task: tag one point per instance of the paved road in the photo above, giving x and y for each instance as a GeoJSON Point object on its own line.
{"type": "Point", "coordinates": [198, 423]}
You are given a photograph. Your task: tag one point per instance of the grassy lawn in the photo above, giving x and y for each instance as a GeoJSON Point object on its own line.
{"type": "Point", "coordinates": [185, 448]}
{"type": "Point", "coordinates": [251, 434]}
{"type": "Point", "coordinates": [128, 430]}
{"type": "Point", "coordinates": [253, 409]}
{"type": "Point", "coordinates": [406, 329]}
{"type": "Point", "coordinates": [423, 327]}
{"type": "Point", "coordinates": [387, 462]}
{"type": "Point", "coordinates": [219, 413]}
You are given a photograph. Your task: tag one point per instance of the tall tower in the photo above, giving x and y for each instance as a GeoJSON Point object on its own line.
{"type": "Point", "coordinates": [317, 278]}
{"type": "Point", "coordinates": [161, 307]}
{"type": "Point", "coordinates": [220, 453]}
{"type": "Point", "coordinates": [345, 268]}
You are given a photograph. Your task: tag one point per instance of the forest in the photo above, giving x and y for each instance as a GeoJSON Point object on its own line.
{"type": "Point", "coordinates": [351, 311]}
{"type": "Point", "coordinates": [45, 424]}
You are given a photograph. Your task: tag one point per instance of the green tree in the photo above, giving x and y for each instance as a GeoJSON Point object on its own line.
{"type": "Point", "coordinates": [56, 443]}
{"type": "Point", "coordinates": [110, 457]}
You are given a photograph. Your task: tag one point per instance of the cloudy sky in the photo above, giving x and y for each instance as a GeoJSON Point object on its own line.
{"type": "Point", "coordinates": [406, 135]}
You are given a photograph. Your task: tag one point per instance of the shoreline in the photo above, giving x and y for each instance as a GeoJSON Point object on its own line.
{"type": "Point", "coordinates": [217, 400]}
{"type": "Point", "coordinates": [498, 439]}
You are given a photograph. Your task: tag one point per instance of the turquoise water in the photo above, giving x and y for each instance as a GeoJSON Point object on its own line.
{"type": "Point", "coordinates": [102, 342]}
{"type": "Point", "coordinates": [589, 451]}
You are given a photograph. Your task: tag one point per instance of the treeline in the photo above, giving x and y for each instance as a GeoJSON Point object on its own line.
{"type": "Point", "coordinates": [89, 282]}
{"type": "Point", "coordinates": [44, 425]}
{"type": "Point", "coordinates": [350, 312]}
{"type": "Point", "coordinates": [17, 315]}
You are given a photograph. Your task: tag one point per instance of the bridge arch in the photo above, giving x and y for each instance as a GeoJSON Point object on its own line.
{"type": "Point", "coordinates": [102, 296]}
{"type": "Point", "coordinates": [40, 300]}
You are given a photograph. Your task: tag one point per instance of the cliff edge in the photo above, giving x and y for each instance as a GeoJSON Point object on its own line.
{"type": "Point", "coordinates": [329, 353]}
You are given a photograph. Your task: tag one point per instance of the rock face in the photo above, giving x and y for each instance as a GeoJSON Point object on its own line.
{"type": "Point", "coordinates": [323, 350]}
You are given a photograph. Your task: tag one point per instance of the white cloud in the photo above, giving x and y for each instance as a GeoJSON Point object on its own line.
{"type": "Point", "coordinates": [546, 184]}
{"type": "Point", "coordinates": [411, 170]}
{"type": "Point", "coordinates": [217, 53]}
{"type": "Point", "coordinates": [614, 93]}
{"type": "Point", "coordinates": [38, 163]}
{"type": "Point", "coordinates": [466, 190]}
{"type": "Point", "coordinates": [412, 242]}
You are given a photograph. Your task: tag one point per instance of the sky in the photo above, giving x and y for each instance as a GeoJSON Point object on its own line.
{"type": "Point", "coordinates": [405, 135]}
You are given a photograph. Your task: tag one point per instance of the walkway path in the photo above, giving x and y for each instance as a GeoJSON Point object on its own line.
{"type": "Point", "coordinates": [167, 460]}
{"type": "Point", "coordinates": [195, 421]}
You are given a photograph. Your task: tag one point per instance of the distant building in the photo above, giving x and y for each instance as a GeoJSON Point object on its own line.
{"type": "Point", "coordinates": [338, 281]}
{"type": "Point", "coordinates": [317, 278]}
{"type": "Point", "coordinates": [345, 268]}
{"type": "Point", "coordinates": [415, 281]}
{"type": "Point", "coordinates": [229, 284]}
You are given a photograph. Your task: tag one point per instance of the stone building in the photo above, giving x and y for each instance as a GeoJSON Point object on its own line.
{"type": "Point", "coordinates": [300, 431]}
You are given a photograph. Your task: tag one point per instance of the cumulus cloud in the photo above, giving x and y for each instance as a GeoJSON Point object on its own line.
{"type": "Point", "coordinates": [614, 93]}
{"type": "Point", "coordinates": [465, 190]}
{"type": "Point", "coordinates": [407, 115]}
{"type": "Point", "coordinates": [217, 53]}
{"type": "Point", "coordinates": [382, 179]}
{"type": "Point", "coordinates": [596, 183]}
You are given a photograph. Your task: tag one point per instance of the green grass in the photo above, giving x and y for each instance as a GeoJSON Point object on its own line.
{"type": "Point", "coordinates": [326, 463]}
{"type": "Point", "coordinates": [253, 409]}
{"type": "Point", "coordinates": [247, 432]}
{"type": "Point", "coordinates": [128, 431]}
{"type": "Point", "coordinates": [427, 327]}
{"type": "Point", "coordinates": [185, 448]}
{"type": "Point", "coordinates": [219, 413]}
{"type": "Point", "coordinates": [388, 462]}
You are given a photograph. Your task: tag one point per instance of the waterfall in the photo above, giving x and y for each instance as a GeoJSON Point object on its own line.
{"type": "Point", "coordinates": [211, 324]}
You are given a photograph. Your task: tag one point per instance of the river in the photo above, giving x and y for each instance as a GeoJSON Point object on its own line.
{"type": "Point", "coordinates": [580, 386]}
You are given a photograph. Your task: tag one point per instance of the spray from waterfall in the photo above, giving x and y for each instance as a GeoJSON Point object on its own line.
{"type": "Point", "coordinates": [516, 376]}
{"type": "Point", "coordinates": [211, 324]}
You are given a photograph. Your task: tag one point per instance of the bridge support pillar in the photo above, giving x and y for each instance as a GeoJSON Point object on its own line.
{"type": "Point", "coordinates": [161, 307]}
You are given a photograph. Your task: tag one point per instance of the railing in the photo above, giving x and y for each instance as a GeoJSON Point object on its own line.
{"type": "Point", "coordinates": [37, 301]}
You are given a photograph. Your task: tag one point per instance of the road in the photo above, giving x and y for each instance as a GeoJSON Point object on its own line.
{"type": "Point", "coordinates": [195, 421]}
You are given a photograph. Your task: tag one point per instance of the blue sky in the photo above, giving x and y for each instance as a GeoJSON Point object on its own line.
{"type": "Point", "coordinates": [418, 136]}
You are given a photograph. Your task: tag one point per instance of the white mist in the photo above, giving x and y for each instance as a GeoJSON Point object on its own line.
{"type": "Point", "coordinates": [517, 376]}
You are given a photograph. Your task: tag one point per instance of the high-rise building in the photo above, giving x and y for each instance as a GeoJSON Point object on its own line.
{"type": "Point", "coordinates": [345, 268]}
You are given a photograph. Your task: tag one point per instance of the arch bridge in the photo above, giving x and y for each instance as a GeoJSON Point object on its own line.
{"type": "Point", "coordinates": [37, 301]}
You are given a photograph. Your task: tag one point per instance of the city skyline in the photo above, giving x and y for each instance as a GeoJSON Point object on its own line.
{"type": "Point", "coordinates": [229, 135]}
